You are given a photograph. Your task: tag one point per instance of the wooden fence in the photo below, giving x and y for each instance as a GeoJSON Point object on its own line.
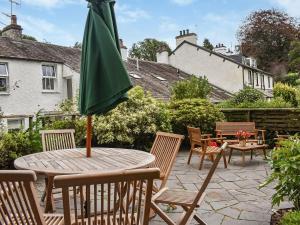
{"type": "Point", "coordinates": [282, 120]}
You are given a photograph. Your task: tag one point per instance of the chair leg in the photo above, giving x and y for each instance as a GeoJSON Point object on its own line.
{"type": "Point", "coordinates": [45, 189]}
{"type": "Point", "coordinates": [225, 162]}
{"type": "Point", "coordinates": [190, 156]}
{"type": "Point", "coordinates": [230, 154]}
{"type": "Point", "coordinates": [201, 162]}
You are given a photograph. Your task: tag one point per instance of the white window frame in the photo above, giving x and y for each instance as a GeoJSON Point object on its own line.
{"type": "Point", "coordinates": [45, 77]}
{"type": "Point", "coordinates": [6, 76]}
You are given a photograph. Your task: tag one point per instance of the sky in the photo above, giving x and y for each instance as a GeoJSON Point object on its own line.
{"type": "Point", "coordinates": [62, 21]}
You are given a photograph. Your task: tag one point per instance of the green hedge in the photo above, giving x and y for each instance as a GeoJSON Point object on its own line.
{"type": "Point", "coordinates": [291, 218]}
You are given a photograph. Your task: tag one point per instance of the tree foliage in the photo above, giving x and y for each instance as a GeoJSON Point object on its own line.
{"type": "Point", "coordinates": [193, 87]}
{"type": "Point", "coordinates": [287, 92]}
{"type": "Point", "coordinates": [77, 45]}
{"type": "Point", "coordinates": [247, 95]}
{"type": "Point", "coordinates": [266, 35]}
{"type": "Point", "coordinates": [147, 49]}
{"type": "Point", "coordinates": [207, 44]}
{"type": "Point", "coordinates": [28, 37]}
{"type": "Point", "coordinates": [294, 57]}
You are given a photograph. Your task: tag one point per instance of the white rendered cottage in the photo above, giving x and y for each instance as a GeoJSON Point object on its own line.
{"type": "Point", "coordinates": [231, 72]}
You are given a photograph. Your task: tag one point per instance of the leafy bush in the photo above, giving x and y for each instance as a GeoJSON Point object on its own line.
{"type": "Point", "coordinates": [193, 87]}
{"type": "Point", "coordinates": [79, 125]}
{"type": "Point", "coordinates": [194, 112]}
{"type": "Point", "coordinates": [291, 79]}
{"type": "Point", "coordinates": [247, 95]}
{"type": "Point", "coordinates": [291, 218]}
{"type": "Point", "coordinates": [17, 144]}
{"type": "Point", "coordinates": [285, 163]}
{"type": "Point", "coordinates": [133, 123]}
{"type": "Point", "coordinates": [288, 93]}
{"type": "Point", "coordinates": [1, 123]}
{"type": "Point", "coordinates": [273, 103]}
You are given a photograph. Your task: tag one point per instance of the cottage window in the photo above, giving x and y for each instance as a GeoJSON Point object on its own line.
{"type": "Point", "coordinates": [49, 77]}
{"type": "Point", "coordinates": [3, 77]}
{"type": "Point", "coordinates": [250, 80]}
{"type": "Point", "coordinates": [257, 82]}
{"type": "Point", "coordinates": [269, 82]}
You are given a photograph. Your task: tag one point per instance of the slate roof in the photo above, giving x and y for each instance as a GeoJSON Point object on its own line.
{"type": "Point", "coordinates": [148, 71]}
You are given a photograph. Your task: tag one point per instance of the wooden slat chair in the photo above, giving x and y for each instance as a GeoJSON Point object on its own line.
{"type": "Point", "coordinates": [188, 200]}
{"type": "Point", "coordinates": [108, 198]}
{"type": "Point", "coordinates": [18, 201]}
{"type": "Point", "coordinates": [56, 140]}
{"type": "Point", "coordinates": [200, 144]}
{"type": "Point", "coordinates": [165, 149]}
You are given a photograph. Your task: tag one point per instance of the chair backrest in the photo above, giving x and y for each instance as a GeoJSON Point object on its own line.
{"type": "Point", "coordinates": [57, 139]}
{"type": "Point", "coordinates": [210, 174]}
{"type": "Point", "coordinates": [18, 199]}
{"type": "Point", "coordinates": [165, 149]}
{"type": "Point", "coordinates": [194, 134]}
{"type": "Point", "coordinates": [230, 128]}
{"type": "Point", "coordinates": [108, 198]}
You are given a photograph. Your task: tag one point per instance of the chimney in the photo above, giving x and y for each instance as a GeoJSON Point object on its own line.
{"type": "Point", "coordinates": [221, 48]}
{"type": "Point", "coordinates": [13, 31]}
{"type": "Point", "coordinates": [185, 35]}
{"type": "Point", "coordinates": [124, 51]}
{"type": "Point", "coordinates": [162, 56]}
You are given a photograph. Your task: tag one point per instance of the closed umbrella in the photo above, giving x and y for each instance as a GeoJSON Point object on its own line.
{"type": "Point", "coordinates": [104, 80]}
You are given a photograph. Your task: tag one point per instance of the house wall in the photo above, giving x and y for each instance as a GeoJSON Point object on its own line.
{"type": "Point", "coordinates": [224, 74]}
{"type": "Point", "coordinates": [29, 97]}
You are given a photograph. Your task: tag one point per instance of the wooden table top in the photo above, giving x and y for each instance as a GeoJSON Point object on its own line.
{"type": "Point", "coordinates": [249, 146]}
{"type": "Point", "coordinates": [74, 161]}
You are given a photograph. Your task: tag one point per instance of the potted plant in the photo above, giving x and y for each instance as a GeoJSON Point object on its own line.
{"type": "Point", "coordinates": [242, 136]}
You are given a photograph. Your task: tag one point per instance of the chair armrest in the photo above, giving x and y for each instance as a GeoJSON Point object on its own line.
{"type": "Point", "coordinates": [206, 135]}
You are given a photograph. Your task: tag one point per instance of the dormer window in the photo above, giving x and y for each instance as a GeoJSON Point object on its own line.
{"type": "Point", "coordinates": [4, 84]}
{"type": "Point", "coordinates": [49, 77]}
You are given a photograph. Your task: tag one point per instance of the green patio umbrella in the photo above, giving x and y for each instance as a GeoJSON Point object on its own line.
{"type": "Point", "coordinates": [104, 80]}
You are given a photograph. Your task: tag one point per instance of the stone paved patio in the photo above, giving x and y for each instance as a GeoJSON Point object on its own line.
{"type": "Point", "coordinates": [233, 196]}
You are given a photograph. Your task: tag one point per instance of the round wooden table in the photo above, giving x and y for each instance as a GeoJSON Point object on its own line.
{"type": "Point", "coordinates": [74, 161]}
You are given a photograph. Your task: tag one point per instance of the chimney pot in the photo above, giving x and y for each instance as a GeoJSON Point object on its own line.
{"type": "Point", "coordinates": [187, 31]}
{"type": "Point", "coordinates": [183, 32]}
{"type": "Point", "coordinates": [180, 33]}
{"type": "Point", "coordinates": [14, 19]}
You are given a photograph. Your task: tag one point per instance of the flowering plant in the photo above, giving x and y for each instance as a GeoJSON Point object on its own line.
{"type": "Point", "coordinates": [242, 135]}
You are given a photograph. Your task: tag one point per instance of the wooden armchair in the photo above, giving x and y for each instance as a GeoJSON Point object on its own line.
{"type": "Point", "coordinates": [188, 200]}
{"type": "Point", "coordinates": [200, 144]}
{"type": "Point", "coordinates": [165, 149]}
{"type": "Point", "coordinates": [108, 198]}
{"type": "Point", "coordinates": [18, 201]}
{"type": "Point", "coordinates": [56, 140]}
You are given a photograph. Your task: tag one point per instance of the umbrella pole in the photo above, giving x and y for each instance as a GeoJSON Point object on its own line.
{"type": "Point", "coordinates": [89, 137]}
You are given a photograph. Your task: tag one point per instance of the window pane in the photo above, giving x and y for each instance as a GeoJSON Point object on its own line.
{"type": "Point", "coordinates": [51, 84]}
{"type": "Point", "coordinates": [3, 84]}
{"type": "Point", "coordinates": [44, 68]}
{"type": "Point", "coordinates": [3, 69]}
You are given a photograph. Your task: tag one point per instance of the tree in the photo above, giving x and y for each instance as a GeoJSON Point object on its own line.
{"type": "Point", "coordinates": [193, 87]}
{"type": "Point", "coordinates": [207, 44]}
{"type": "Point", "coordinates": [77, 45]}
{"type": "Point", "coordinates": [148, 48]}
{"type": "Point", "coordinates": [294, 57]}
{"type": "Point", "coordinates": [266, 35]}
{"type": "Point", "coordinates": [28, 37]}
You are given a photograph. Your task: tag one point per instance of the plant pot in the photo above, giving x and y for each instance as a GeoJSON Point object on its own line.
{"type": "Point", "coordinates": [242, 143]}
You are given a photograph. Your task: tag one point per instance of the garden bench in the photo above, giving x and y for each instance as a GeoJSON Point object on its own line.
{"type": "Point", "coordinates": [229, 129]}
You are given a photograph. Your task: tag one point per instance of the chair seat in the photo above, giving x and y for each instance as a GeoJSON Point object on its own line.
{"type": "Point", "coordinates": [112, 220]}
{"type": "Point", "coordinates": [54, 219]}
{"type": "Point", "coordinates": [209, 150]}
{"type": "Point", "coordinates": [176, 197]}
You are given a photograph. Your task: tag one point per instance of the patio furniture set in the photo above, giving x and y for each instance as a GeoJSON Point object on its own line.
{"type": "Point", "coordinates": [113, 186]}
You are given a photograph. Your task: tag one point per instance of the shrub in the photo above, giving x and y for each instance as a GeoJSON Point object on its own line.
{"type": "Point", "coordinates": [193, 87]}
{"type": "Point", "coordinates": [291, 218]}
{"type": "Point", "coordinates": [285, 163]}
{"type": "Point", "coordinates": [17, 144]}
{"type": "Point", "coordinates": [288, 93]}
{"type": "Point", "coordinates": [273, 103]}
{"type": "Point", "coordinates": [247, 95]}
{"type": "Point", "coordinates": [291, 79]}
{"type": "Point", "coordinates": [133, 123]}
{"type": "Point", "coordinates": [79, 125]}
{"type": "Point", "coordinates": [194, 112]}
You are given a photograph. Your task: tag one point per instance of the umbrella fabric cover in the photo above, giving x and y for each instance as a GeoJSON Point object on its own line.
{"type": "Point", "coordinates": [104, 80]}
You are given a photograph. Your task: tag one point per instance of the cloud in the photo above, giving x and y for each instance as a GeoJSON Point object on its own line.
{"type": "Point", "coordinates": [52, 3]}
{"type": "Point", "coordinates": [291, 6]}
{"type": "Point", "coordinates": [127, 14]}
{"type": "Point", "coordinates": [168, 25]}
{"type": "Point", "coordinates": [183, 2]}
{"type": "Point", "coordinates": [44, 30]}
